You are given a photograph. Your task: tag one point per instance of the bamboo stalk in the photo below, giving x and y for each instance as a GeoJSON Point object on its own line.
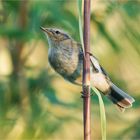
{"type": "Point", "coordinates": [86, 72]}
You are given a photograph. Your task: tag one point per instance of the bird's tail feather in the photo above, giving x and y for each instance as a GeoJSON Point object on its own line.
{"type": "Point", "coordinates": [120, 98]}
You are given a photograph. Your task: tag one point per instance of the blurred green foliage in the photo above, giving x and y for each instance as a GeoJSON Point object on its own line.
{"type": "Point", "coordinates": [35, 103]}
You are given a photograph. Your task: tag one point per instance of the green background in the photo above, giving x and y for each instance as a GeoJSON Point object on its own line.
{"type": "Point", "coordinates": [35, 102]}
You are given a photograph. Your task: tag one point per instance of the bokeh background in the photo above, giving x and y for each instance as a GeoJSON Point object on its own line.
{"type": "Point", "coordinates": [35, 102]}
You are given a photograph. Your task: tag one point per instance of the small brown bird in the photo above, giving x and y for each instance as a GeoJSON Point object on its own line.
{"type": "Point", "coordinates": [66, 57]}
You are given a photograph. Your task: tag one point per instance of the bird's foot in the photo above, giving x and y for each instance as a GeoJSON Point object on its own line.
{"type": "Point", "coordinates": [86, 92]}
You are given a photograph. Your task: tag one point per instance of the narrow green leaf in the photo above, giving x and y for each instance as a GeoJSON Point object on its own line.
{"type": "Point", "coordinates": [102, 113]}
{"type": "Point", "coordinates": [79, 5]}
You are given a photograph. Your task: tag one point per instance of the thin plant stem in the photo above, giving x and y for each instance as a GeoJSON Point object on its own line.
{"type": "Point", "coordinates": [86, 72]}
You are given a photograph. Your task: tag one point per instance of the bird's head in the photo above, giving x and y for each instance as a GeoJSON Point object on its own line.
{"type": "Point", "coordinates": [55, 35]}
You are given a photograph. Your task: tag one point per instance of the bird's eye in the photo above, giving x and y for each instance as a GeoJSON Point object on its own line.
{"type": "Point", "coordinates": [57, 32]}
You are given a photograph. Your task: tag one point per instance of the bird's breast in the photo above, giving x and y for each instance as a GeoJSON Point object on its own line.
{"type": "Point", "coordinates": [63, 60]}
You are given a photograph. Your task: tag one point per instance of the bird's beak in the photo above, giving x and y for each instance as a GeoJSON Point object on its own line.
{"type": "Point", "coordinates": [46, 30]}
{"type": "Point", "coordinates": [43, 29]}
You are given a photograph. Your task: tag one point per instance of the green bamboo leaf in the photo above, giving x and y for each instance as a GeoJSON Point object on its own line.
{"type": "Point", "coordinates": [79, 5]}
{"type": "Point", "coordinates": [102, 113]}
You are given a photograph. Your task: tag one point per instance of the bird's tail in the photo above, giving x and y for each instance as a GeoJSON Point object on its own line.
{"type": "Point", "coordinates": [120, 98]}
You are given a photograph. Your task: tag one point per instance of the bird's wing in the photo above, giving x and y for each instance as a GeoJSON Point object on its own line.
{"type": "Point", "coordinates": [94, 61]}
{"type": "Point", "coordinates": [100, 80]}
{"type": "Point", "coordinates": [95, 64]}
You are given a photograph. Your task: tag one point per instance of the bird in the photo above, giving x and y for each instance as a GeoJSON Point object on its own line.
{"type": "Point", "coordinates": [66, 55]}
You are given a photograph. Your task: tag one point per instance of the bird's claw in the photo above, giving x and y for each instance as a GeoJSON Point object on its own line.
{"type": "Point", "coordinates": [85, 93]}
